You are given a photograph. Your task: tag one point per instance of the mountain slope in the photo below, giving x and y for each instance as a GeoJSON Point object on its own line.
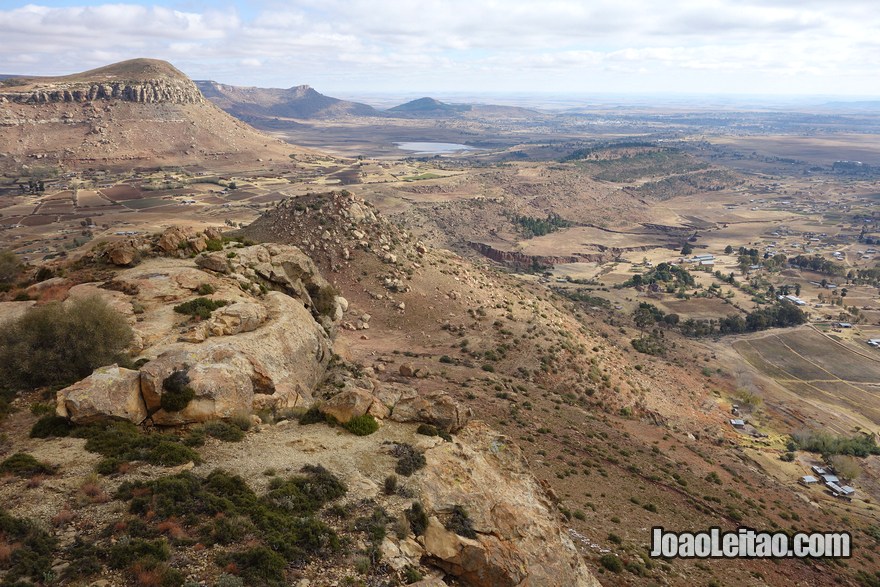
{"type": "Point", "coordinates": [301, 102]}
{"type": "Point", "coordinates": [137, 112]}
{"type": "Point", "coordinates": [429, 108]}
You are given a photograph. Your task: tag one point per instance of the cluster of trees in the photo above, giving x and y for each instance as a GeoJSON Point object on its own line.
{"type": "Point", "coordinates": [33, 187]}
{"type": "Point", "coordinates": [587, 152]}
{"type": "Point", "coordinates": [662, 273]}
{"type": "Point", "coordinates": [540, 226]}
{"type": "Point", "coordinates": [780, 315]}
{"type": "Point", "coordinates": [860, 445]}
{"type": "Point", "coordinates": [865, 276]}
{"type": "Point", "coordinates": [818, 264]}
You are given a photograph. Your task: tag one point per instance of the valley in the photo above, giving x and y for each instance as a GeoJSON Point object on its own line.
{"type": "Point", "coordinates": [604, 290]}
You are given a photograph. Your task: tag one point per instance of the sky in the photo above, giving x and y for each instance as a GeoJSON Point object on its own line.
{"type": "Point", "coordinates": [346, 47]}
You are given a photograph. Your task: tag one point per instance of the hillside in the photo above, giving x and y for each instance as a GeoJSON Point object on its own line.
{"type": "Point", "coordinates": [140, 112]}
{"type": "Point", "coordinates": [428, 108]}
{"type": "Point", "coordinates": [301, 102]}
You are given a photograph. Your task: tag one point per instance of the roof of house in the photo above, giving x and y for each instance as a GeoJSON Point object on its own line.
{"type": "Point", "coordinates": [809, 479]}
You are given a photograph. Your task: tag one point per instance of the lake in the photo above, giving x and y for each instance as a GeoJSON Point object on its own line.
{"type": "Point", "coordinates": [433, 148]}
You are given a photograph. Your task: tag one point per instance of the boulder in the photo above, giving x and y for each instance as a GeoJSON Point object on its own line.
{"type": "Point", "coordinates": [122, 254]}
{"type": "Point", "coordinates": [348, 404]}
{"type": "Point", "coordinates": [432, 407]}
{"type": "Point", "coordinates": [216, 261]}
{"type": "Point", "coordinates": [406, 369]}
{"type": "Point", "coordinates": [519, 540]}
{"type": "Point", "coordinates": [236, 318]}
{"type": "Point", "coordinates": [171, 240]}
{"type": "Point", "coordinates": [276, 365]}
{"type": "Point", "coordinates": [109, 393]}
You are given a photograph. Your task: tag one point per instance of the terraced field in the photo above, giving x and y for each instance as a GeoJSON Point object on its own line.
{"type": "Point", "coordinates": [819, 369]}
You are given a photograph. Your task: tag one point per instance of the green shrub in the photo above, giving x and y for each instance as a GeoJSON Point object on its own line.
{"type": "Point", "coordinates": [205, 289]}
{"type": "Point", "coordinates": [258, 565]}
{"type": "Point", "coordinates": [120, 442]}
{"type": "Point", "coordinates": [51, 426]}
{"type": "Point", "coordinates": [25, 465]}
{"type": "Point", "coordinates": [611, 562]}
{"type": "Point", "coordinates": [390, 485]}
{"type": "Point", "coordinates": [241, 421]}
{"type": "Point", "coordinates": [32, 555]}
{"type": "Point", "coordinates": [323, 299]}
{"type": "Point", "coordinates": [215, 244]}
{"type": "Point", "coordinates": [10, 267]}
{"type": "Point", "coordinates": [176, 392]}
{"type": "Point", "coordinates": [362, 425]}
{"type": "Point", "coordinates": [417, 518]}
{"type": "Point", "coordinates": [312, 416]}
{"type": "Point", "coordinates": [409, 460]}
{"type": "Point", "coordinates": [460, 522]}
{"type": "Point", "coordinates": [199, 307]}
{"type": "Point", "coordinates": [56, 344]}
{"type": "Point", "coordinates": [126, 552]}
{"type": "Point", "coordinates": [224, 431]}
{"type": "Point", "coordinates": [411, 575]}
{"type": "Point", "coordinates": [431, 430]}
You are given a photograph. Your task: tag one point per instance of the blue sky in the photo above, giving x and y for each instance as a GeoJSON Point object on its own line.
{"type": "Point", "coordinates": [788, 47]}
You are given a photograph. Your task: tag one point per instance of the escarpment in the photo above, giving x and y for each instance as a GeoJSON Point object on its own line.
{"type": "Point", "coordinates": [142, 92]}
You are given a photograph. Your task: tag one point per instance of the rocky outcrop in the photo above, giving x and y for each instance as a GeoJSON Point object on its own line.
{"type": "Point", "coordinates": [433, 407]}
{"type": "Point", "coordinates": [109, 393]}
{"type": "Point", "coordinates": [174, 91]}
{"type": "Point", "coordinates": [521, 260]}
{"type": "Point", "coordinates": [518, 541]}
{"type": "Point", "coordinates": [262, 349]}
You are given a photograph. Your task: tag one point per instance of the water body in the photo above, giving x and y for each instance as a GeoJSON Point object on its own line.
{"type": "Point", "coordinates": [434, 148]}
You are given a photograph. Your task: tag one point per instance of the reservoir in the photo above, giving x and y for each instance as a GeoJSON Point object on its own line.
{"type": "Point", "coordinates": [433, 148]}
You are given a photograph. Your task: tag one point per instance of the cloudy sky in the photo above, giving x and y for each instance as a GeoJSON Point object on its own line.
{"type": "Point", "coordinates": [573, 46]}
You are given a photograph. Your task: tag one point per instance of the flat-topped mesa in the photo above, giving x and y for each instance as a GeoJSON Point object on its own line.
{"type": "Point", "coordinates": [142, 92]}
{"type": "Point", "coordinates": [144, 81]}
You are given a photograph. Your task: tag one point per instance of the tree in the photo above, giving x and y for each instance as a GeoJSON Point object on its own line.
{"type": "Point", "coordinates": [846, 466]}
{"type": "Point", "coordinates": [728, 250]}
{"type": "Point", "coordinates": [10, 267]}
{"type": "Point", "coordinates": [687, 249]}
{"type": "Point", "coordinates": [643, 317]}
{"type": "Point", "coordinates": [56, 344]}
{"type": "Point", "coordinates": [797, 289]}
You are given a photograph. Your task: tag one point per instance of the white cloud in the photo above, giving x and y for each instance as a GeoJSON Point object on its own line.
{"type": "Point", "coordinates": [476, 45]}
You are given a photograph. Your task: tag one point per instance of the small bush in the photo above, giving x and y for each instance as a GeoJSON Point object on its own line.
{"type": "Point", "coordinates": [120, 442]}
{"type": "Point", "coordinates": [258, 565]}
{"type": "Point", "coordinates": [417, 518]}
{"type": "Point", "coordinates": [241, 421]}
{"type": "Point", "coordinates": [411, 575]}
{"type": "Point", "coordinates": [51, 426]}
{"type": "Point", "coordinates": [25, 465]}
{"type": "Point", "coordinates": [611, 562]}
{"type": "Point", "coordinates": [362, 425]}
{"type": "Point", "coordinates": [10, 267]}
{"type": "Point", "coordinates": [409, 460]}
{"type": "Point", "coordinates": [224, 431]}
{"type": "Point", "coordinates": [460, 522]}
{"type": "Point", "coordinates": [215, 244]}
{"type": "Point", "coordinates": [34, 553]}
{"type": "Point", "coordinates": [312, 416]}
{"type": "Point", "coordinates": [390, 485]}
{"type": "Point", "coordinates": [205, 289]}
{"type": "Point", "coordinates": [176, 392]}
{"type": "Point", "coordinates": [430, 430]}
{"type": "Point", "coordinates": [126, 552]}
{"type": "Point", "coordinates": [199, 307]}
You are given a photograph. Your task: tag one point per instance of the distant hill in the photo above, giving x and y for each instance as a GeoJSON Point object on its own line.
{"type": "Point", "coordinates": [429, 108]}
{"type": "Point", "coordinates": [136, 112]}
{"type": "Point", "coordinates": [433, 108]}
{"type": "Point", "coordinates": [301, 102]}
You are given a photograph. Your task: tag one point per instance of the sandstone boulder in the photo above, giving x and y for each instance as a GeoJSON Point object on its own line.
{"type": "Point", "coordinates": [519, 541]}
{"type": "Point", "coordinates": [276, 365]}
{"type": "Point", "coordinates": [172, 238]}
{"type": "Point", "coordinates": [348, 404]}
{"type": "Point", "coordinates": [109, 393]}
{"type": "Point", "coordinates": [236, 318]}
{"type": "Point", "coordinates": [432, 407]}
{"type": "Point", "coordinates": [122, 254]}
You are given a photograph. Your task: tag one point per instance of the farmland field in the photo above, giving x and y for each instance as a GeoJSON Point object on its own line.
{"type": "Point", "coordinates": [818, 369]}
